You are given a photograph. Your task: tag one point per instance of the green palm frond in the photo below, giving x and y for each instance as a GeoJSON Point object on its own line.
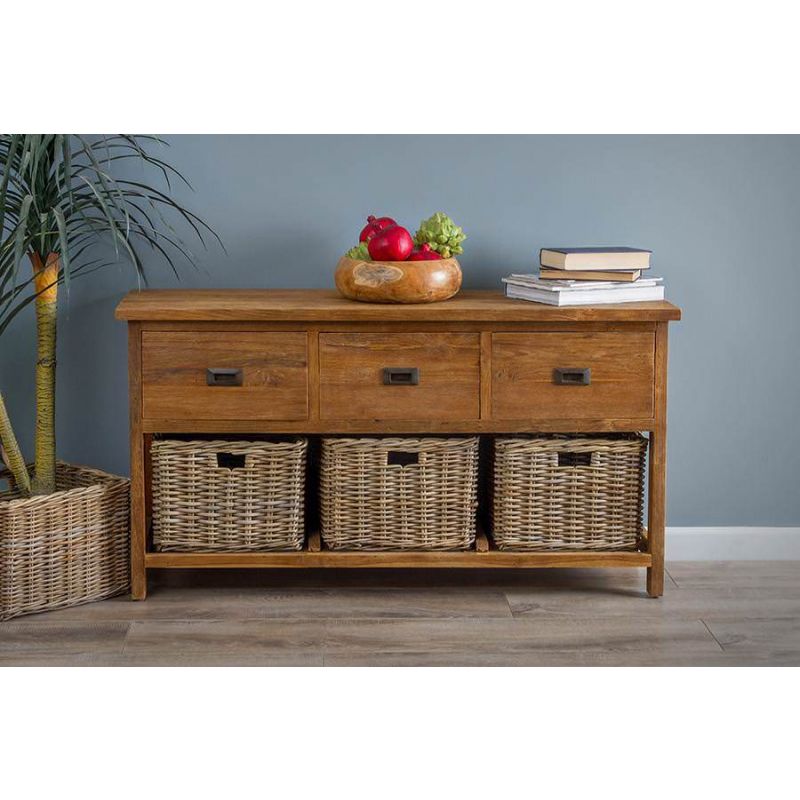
{"type": "Point", "coordinates": [60, 193]}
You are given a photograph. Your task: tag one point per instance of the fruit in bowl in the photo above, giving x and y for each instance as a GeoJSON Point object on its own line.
{"type": "Point", "coordinates": [424, 253]}
{"type": "Point", "coordinates": [391, 244]}
{"type": "Point", "coordinates": [374, 226]}
{"type": "Point", "coordinates": [441, 234]}
{"type": "Point", "coordinates": [386, 267]}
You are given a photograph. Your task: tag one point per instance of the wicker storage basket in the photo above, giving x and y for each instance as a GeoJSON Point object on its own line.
{"type": "Point", "coordinates": [399, 494]}
{"type": "Point", "coordinates": [224, 495]}
{"type": "Point", "coordinates": [65, 548]}
{"type": "Point", "coordinates": [569, 493]}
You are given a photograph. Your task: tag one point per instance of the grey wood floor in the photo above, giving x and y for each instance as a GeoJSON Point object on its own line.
{"type": "Point", "coordinates": [712, 613]}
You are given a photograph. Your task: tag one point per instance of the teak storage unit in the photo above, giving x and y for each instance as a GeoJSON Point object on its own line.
{"type": "Point", "coordinates": [311, 362]}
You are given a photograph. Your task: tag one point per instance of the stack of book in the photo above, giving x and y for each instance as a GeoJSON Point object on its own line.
{"type": "Point", "coordinates": [579, 276]}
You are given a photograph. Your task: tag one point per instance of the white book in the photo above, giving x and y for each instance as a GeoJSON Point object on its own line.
{"type": "Point", "coordinates": [587, 297]}
{"type": "Point", "coordinates": [560, 286]}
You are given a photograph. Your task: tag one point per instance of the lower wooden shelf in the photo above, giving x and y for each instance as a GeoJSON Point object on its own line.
{"type": "Point", "coordinates": [405, 560]}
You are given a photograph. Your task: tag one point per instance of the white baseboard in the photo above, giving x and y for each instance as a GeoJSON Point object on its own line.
{"type": "Point", "coordinates": [733, 544]}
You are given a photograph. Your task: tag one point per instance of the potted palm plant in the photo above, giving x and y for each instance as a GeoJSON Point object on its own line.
{"type": "Point", "coordinates": [64, 528]}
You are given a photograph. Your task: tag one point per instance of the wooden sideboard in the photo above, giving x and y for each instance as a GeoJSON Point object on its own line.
{"type": "Point", "coordinates": [311, 362]}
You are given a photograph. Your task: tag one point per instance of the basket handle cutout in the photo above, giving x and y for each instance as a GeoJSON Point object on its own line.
{"type": "Point", "coordinates": [574, 459]}
{"type": "Point", "coordinates": [400, 458]}
{"type": "Point", "coordinates": [230, 460]}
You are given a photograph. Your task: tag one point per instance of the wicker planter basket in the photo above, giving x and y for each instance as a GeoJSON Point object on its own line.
{"type": "Point", "coordinates": [399, 494]}
{"type": "Point", "coordinates": [224, 495]}
{"type": "Point", "coordinates": [569, 493]}
{"type": "Point", "coordinates": [66, 548]}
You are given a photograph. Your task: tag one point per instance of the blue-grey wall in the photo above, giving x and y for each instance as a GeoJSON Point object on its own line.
{"type": "Point", "coordinates": [721, 213]}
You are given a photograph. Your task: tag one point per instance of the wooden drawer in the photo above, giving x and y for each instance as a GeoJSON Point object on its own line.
{"type": "Point", "coordinates": [352, 376]}
{"type": "Point", "coordinates": [274, 375]}
{"type": "Point", "coordinates": [525, 380]}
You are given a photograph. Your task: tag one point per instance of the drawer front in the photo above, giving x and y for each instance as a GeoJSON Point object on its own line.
{"type": "Point", "coordinates": [409, 376]}
{"type": "Point", "coordinates": [572, 375]}
{"type": "Point", "coordinates": [255, 375]}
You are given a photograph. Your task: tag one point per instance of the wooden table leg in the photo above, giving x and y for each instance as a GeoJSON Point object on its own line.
{"type": "Point", "coordinates": [138, 521]}
{"type": "Point", "coordinates": [138, 507]}
{"type": "Point", "coordinates": [658, 468]}
{"type": "Point", "coordinates": [655, 517]}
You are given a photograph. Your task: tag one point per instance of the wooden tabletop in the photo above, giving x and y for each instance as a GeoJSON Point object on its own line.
{"type": "Point", "coordinates": [309, 305]}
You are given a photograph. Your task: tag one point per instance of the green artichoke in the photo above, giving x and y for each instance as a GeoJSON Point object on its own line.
{"type": "Point", "coordinates": [442, 234]}
{"type": "Point", "coordinates": [360, 252]}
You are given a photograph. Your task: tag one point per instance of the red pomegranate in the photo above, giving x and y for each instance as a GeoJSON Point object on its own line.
{"type": "Point", "coordinates": [375, 225]}
{"type": "Point", "coordinates": [424, 253]}
{"type": "Point", "coordinates": [391, 244]}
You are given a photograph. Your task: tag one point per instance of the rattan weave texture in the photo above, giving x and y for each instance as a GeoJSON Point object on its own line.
{"type": "Point", "coordinates": [65, 548]}
{"type": "Point", "coordinates": [569, 493]}
{"type": "Point", "coordinates": [228, 495]}
{"type": "Point", "coordinates": [399, 493]}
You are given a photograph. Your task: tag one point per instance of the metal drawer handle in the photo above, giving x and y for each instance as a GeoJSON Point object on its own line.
{"type": "Point", "coordinates": [572, 376]}
{"type": "Point", "coordinates": [217, 376]}
{"type": "Point", "coordinates": [400, 376]}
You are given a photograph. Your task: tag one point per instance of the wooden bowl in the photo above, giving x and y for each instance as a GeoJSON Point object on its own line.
{"type": "Point", "coordinates": [398, 281]}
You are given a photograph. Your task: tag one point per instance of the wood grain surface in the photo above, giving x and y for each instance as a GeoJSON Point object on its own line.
{"type": "Point", "coordinates": [711, 614]}
{"type": "Point", "coordinates": [524, 364]}
{"type": "Point", "coordinates": [335, 559]}
{"type": "Point", "coordinates": [398, 426]}
{"type": "Point", "coordinates": [327, 305]}
{"type": "Point", "coordinates": [139, 468]}
{"type": "Point", "coordinates": [274, 368]}
{"type": "Point", "coordinates": [657, 468]}
{"type": "Point", "coordinates": [351, 376]}
{"type": "Point", "coordinates": [398, 281]}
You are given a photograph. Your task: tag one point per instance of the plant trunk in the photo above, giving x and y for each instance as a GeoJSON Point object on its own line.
{"type": "Point", "coordinates": [46, 281]}
{"type": "Point", "coordinates": [12, 456]}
